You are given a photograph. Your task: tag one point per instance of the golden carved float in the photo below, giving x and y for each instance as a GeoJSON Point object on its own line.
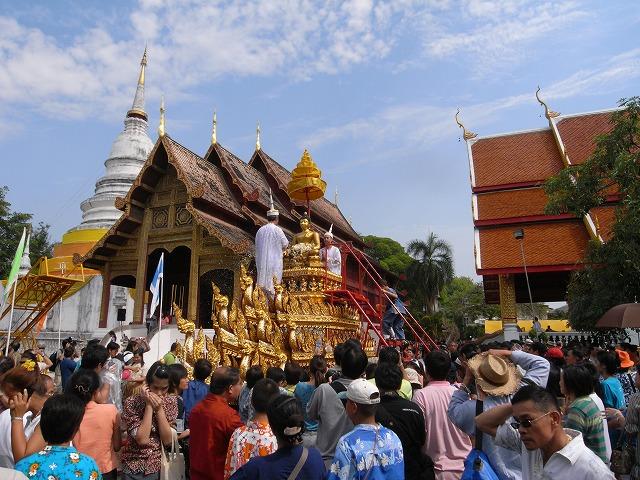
{"type": "Point", "coordinates": [298, 323]}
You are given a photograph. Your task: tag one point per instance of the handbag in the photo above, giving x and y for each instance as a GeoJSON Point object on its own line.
{"type": "Point", "coordinates": [622, 456]}
{"type": "Point", "coordinates": [301, 461]}
{"type": "Point", "coordinates": [476, 465]}
{"type": "Point", "coordinates": [172, 463]}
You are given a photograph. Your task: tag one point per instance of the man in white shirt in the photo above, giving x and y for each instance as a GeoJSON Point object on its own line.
{"type": "Point", "coordinates": [548, 451]}
{"type": "Point", "coordinates": [270, 245]}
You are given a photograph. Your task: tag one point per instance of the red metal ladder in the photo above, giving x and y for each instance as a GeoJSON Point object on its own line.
{"type": "Point", "coordinates": [419, 333]}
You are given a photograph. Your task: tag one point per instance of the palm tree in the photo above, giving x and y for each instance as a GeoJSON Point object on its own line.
{"type": "Point", "coordinates": [431, 270]}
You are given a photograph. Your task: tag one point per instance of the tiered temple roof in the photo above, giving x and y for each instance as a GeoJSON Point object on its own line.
{"type": "Point", "coordinates": [227, 196]}
{"type": "Point", "coordinates": [508, 172]}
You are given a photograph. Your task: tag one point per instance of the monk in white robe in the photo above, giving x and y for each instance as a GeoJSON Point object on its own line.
{"type": "Point", "coordinates": [270, 245]}
{"type": "Point", "coordinates": [330, 254]}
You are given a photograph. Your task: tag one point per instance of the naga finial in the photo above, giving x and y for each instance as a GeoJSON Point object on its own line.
{"type": "Point", "coordinates": [214, 131]}
{"type": "Point", "coordinates": [547, 112]}
{"type": "Point", "coordinates": [466, 134]}
{"type": "Point", "coordinates": [161, 127]}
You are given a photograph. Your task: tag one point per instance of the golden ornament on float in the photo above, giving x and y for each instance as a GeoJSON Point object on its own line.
{"type": "Point", "coordinates": [306, 184]}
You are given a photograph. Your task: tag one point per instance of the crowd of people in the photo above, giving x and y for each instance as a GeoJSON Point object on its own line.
{"type": "Point", "coordinates": [511, 410]}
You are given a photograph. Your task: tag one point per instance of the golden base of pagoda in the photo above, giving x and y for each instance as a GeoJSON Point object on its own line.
{"type": "Point", "coordinates": [296, 325]}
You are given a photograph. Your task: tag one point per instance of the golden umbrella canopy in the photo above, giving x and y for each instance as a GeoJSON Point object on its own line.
{"type": "Point", "coordinates": [306, 183]}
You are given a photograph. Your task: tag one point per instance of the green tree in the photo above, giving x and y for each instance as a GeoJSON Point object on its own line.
{"type": "Point", "coordinates": [11, 225]}
{"type": "Point", "coordinates": [611, 273]}
{"type": "Point", "coordinates": [389, 254]}
{"type": "Point", "coordinates": [431, 270]}
{"type": "Point", "coordinates": [462, 301]}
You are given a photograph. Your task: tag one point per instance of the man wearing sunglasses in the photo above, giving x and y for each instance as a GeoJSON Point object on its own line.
{"type": "Point", "coordinates": [547, 450]}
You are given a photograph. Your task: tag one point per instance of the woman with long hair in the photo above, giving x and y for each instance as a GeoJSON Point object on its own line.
{"type": "Point", "coordinates": [148, 416]}
{"type": "Point", "coordinates": [99, 432]}
{"type": "Point", "coordinates": [304, 390]}
{"type": "Point", "coordinates": [287, 423]}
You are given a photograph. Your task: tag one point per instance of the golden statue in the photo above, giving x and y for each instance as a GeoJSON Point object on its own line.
{"type": "Point", "coordinates": [306, 236]}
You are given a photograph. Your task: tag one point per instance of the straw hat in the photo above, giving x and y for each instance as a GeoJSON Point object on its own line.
{"type": "Point", "coordinates": [495, 375]}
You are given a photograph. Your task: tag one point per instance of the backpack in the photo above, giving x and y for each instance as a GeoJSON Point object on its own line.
{"type": "Point", "coordinates": [476, 465]}
{"type": "Point", "coordinates": [341, 390]}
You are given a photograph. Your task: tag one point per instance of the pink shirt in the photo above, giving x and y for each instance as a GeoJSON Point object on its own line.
{"type": "Point", "coordinates": [447, 445]}
{"type": "Point", "coordinates": [95, 435]}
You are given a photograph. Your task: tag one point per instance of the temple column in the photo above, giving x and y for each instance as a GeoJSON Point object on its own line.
{"type": "Point", "coordinates": [194, 274]}
{"type": "Point", "coordinates": [106, 295]}
{"type": "Point", "coordinates": [141, 271]}
{"type": "Point", "coordinates": [508, 310]}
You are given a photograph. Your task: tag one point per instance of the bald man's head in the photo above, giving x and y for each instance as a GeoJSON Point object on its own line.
{"type": "Point", "coordinates": [223, 379]}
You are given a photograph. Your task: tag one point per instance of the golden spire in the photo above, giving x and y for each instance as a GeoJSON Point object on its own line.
{"type": "Point", "coordinates": [466, 134]}
{"type": "Point", "coordinates": [258, 137]}
{"type": "Point", "coordinates": [161, 130]}
{"type": "Point", "coordinates": [547, 113]}
{"type": "Point", "coordinates": [214, 133]}
{"type": "Point", "coordinates": [143, 64]}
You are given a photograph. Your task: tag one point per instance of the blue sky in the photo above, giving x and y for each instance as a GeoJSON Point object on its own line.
{"type": "Point", "coordinates": [370, 87]}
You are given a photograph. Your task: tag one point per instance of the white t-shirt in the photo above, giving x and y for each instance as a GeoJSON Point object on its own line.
{"type": "Point", "coordinates": [6, 455]}
{"type": "Point", "coordinates": [574, 461]}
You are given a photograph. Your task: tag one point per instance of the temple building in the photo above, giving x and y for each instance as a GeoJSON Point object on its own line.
{"type": "Point", "coordinates": [512, 231]}
{"type": "Point", "coordinates": [203, 213]}
{"type": "Point", "coordinates": [80, 306]}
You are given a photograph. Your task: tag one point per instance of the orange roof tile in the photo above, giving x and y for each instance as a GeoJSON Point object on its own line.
{"type": "Point", "coordinates": [523, 202]}
{"type": "Point", "coordinates": [546, 244]}
{"type": "Point", "coordinates": [578, 134]}
{"type": "Point", "coordinates": [521, 157]}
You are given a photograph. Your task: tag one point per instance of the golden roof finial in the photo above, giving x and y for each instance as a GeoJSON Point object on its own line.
{"type": "Point", "coordinates": [143, 64]}
{"type": "Point", "coordinates": [547, 112]}
{"type": "Point", "coordinates": [466, 134]}
{"type": "Point", "coordinates": [258, 137]}
{"type": "Point", "coordinates": [161, 130]}
{"type": "Point", "coordinates": [214, 133]}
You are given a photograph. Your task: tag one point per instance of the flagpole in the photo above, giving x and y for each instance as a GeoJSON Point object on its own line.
{"type": "Point", "coordinates": [160, 312]}
{"type": "Point", "coordinates": [13, 301]}
{"type": "Point", "coordinates": [60, 326]}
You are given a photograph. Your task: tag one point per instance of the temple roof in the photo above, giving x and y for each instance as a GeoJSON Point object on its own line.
{"type": "Point", "coordinates": [232, 218]}
{"type": "Point", "coordinates": [508, 172]}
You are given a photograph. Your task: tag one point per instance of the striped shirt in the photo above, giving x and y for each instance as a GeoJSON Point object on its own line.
{"type": "Point", "coordinates": [584, 416]}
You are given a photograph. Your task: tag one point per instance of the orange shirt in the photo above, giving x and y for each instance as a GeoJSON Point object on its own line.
{"type": "Point", "coordinates": [95, 435]}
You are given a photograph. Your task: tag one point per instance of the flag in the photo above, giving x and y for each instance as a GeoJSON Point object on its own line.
{"type": "Point", "coordinates": [15, 265]}
{"type": "Point", "coordinates": [155, 286]}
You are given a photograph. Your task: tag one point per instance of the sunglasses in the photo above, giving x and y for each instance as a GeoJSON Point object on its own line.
{"type": "Point", "coordinates": [526, 423]}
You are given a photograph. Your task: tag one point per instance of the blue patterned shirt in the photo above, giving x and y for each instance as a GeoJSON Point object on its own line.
{"type": "Point", "coordinates": [59, 463]}
{"type": "Point", "coordinates": [368, 447]}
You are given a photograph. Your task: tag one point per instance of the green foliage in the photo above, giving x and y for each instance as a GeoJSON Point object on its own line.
{"type": "Point", "coordinates": [389, 253]}
{"type": "Point", "coordinates": [11, 225]}
{"type": "Point", "coordinates": [612, 270]}
{"type": "Point", "coordinates": [462, 301]}
{"type": "Point", "coordinates": [431, 270]}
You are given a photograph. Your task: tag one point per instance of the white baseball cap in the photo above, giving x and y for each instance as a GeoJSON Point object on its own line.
{"type": "Point", "coordinates": [363, 392]}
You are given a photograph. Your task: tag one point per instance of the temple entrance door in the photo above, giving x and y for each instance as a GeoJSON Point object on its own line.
{"type": "Point", "coordinates": [176, 277]}
{"type": "Point", "coordinates": [224, 280]}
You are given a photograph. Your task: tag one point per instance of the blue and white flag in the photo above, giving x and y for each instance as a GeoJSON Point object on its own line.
{"type": "Point", "coordinates": [155, 286]}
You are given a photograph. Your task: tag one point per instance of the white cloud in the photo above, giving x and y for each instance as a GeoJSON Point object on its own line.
{"type": "Point", "coordinates": [93, 72]}
{"type": "Point", "coordinates": [494, 33]}
{"type": "Point", "coordinates": [415, 126]}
